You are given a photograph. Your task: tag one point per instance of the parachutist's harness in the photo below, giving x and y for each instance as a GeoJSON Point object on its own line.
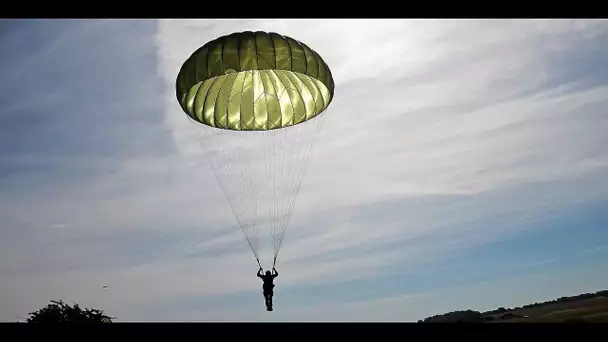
{"type": "Point", "coordinates": [268, 284]}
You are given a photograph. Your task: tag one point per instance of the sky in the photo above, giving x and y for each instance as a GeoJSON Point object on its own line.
{"type": "Point", "coordinates": [462, 164]}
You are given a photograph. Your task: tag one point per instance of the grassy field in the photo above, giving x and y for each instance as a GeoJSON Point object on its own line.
{"type": "Point", "coordinates": [587, 310]}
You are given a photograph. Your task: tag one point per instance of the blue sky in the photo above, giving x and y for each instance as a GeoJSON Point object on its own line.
{"type": "Point", "coordinates": [474, 175]}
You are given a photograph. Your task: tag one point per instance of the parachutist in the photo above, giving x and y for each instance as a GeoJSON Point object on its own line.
{"type": "Point", "coordinates": [268, 285]}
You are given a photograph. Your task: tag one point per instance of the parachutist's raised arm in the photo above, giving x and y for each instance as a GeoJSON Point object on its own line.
{"type": "Point", "coordinates": [260, 272]}
{"type": "Point", "coordinates": [274, 270]}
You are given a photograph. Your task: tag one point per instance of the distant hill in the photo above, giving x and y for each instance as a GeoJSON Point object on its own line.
{"type": "Point", "coordinates": [586, 307]}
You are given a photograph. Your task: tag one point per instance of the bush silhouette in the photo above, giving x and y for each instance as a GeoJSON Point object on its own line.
{"type": "Point", "coordinates": [59, 312]}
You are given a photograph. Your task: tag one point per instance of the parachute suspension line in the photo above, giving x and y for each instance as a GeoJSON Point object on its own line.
{"type": "Point", "coordinates": [276, 141]}
{"type": "Point", "coordinates": [269, 149]}
{"type": "Point", "coordinates": [229, 176]}
{"type": "Point", "coordinates": [225, 175]}
{"type": "Point", "coordinates": [265, 136]}
{"type": "Point", "coordinates": [232, 155]}
{"type": "Point", "coordinates": [280, 140]}
{"type": "Point", "coordinates": [272, 182]}
{"type": "Point", "coordinates": [288, 143]}
{"type": "Point", "coordinates": [251, 194]}
{"type": "Point", "coordinates": [245, 182]}
{"type": "Point", "coordinates": [255, 201]}
{"type": "Point", "coordinates": [277, 134]}
{"type": "Point", "coordinates": [299, 177]}
{"type": "Point", "coordinates": [218, 165]}
{"type": "Point", "coordinates": [277, 181]}
{"type": "Point", "coordinates": [301, 137]}
{"type": "Point", "coordinates": [286, 154]}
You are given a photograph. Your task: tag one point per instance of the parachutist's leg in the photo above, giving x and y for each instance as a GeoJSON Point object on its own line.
{"type": "Point", "coordinates": [268, 303]}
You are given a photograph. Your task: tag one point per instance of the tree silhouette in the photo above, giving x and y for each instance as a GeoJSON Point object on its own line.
{"type": "Point", "coordinates": [59, 312]}
{"type": "Point", "coordinates": [461, 316]}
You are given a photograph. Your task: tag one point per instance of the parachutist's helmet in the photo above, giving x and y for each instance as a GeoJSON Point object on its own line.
{"type": "Point", "coordinates": [267, 273]}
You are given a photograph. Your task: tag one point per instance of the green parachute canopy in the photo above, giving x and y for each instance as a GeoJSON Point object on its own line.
{"type": "Point", "coordinates": [254, 81]}
{"type": "Point", "coordinates": [256, 99]}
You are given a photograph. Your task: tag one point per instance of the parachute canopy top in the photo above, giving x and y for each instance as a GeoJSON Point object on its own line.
{"type": "Point", "coordinates": [254, 81]}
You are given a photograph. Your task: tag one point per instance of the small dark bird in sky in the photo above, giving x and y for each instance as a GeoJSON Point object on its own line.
{"type": "Point", "coordinates": [105, 286]}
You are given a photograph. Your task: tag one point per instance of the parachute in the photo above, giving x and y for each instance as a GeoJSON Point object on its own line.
{"type": "Point", "coordinates": [257, 100]}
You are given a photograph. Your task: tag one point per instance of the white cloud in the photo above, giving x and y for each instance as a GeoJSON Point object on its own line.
{"type": "Point", "coordinates": [436, 126]}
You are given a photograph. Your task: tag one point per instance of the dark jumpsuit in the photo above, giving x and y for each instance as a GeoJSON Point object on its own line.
{"type": "Point", "coordinates": [268, 287]}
